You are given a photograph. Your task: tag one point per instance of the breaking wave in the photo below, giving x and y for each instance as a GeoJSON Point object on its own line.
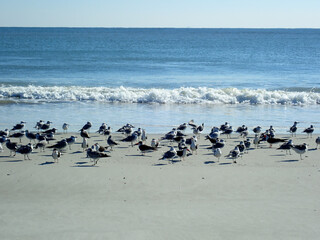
{"type": "Point", "coordinates": [182, 95]}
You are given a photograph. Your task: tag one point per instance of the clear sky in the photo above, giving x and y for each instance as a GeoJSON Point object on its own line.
{"type": "Point", "coordinates": [161, 13]}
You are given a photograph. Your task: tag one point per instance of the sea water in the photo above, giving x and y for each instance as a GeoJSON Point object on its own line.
{"type": "Point", "coordinates": [159, 78]}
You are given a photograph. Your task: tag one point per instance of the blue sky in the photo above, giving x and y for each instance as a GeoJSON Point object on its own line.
{"type": "Point", "coordinates": [164, 13]}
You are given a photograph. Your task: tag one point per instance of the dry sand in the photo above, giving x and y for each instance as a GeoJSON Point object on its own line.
{"type": "Point", "coordinates": [266, 195]}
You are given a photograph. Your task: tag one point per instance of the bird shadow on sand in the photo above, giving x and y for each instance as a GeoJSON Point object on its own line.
{"type": "Point", "coordinates": [80, 163]}
{"type": "Point", "coordinates": [288, 161]}
{"type": "Point", "coordinates": [13, 161]}
{"type": "Point", "coordinates": [209, 162]}
{"type": "Point", "coordinates": [312, 149]}
{"type": "Point", "coordinates": [77, 152]}
{"type": "Point", "coordinates": [137, 155]}
{"type": "Point", "coordinates": [226, 163]}
{"type": "Point", "coordinates": [159, 164]}
{"type": "Point", "coordinates": [46, 163]}
{"type": "Point", "coordinates": [86, 166]}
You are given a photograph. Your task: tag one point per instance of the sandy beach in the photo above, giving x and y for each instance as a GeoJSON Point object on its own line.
{"type": "Point", "coordinates": [265, 195]}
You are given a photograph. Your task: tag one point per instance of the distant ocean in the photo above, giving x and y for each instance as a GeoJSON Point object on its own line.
{"type": "Point", "coordinates": [159, 78]}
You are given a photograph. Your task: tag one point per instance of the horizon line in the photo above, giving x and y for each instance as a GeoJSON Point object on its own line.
{"type": "Point", "coordinates": [167, 27]}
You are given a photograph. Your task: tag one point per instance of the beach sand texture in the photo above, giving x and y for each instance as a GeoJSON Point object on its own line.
{"type": "Point", "coordinates": [265, 195]}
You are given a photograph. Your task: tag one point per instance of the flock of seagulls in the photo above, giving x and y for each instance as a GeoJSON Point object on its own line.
{"type": "Point", "coordinates": [185, 146]}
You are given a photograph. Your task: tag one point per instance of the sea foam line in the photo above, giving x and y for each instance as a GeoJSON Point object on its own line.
{"type": "Point", "coordinates": [182, 95]}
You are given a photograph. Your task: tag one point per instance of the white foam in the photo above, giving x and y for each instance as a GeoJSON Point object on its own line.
{"type": "Point", "coordinates": [183, 95]}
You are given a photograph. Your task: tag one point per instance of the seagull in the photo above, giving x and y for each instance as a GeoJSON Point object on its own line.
{"type": "Point", "coordinates": [257, 130]}
{"type": "Point", "coordinates": [317, 142]}
{"type": "Point", "coordinates": [286, 146]}
{"type": "Point", "coordinates": [111, 142]}
{"type": "Point", "coordinates": [12, 146]}
{"type": "Point", "coordinates": [169, 154]}
{"type": "Point", "coordinates": [214, 134]}
{"type": "Point", "coordinates": [99, 148]}
{"type": "Point", "coordinates": [31, 136]}
{"type": "Point", "coordinates": [122, 129]}
{"type": "Point", "coordinates": [193, 146]}
{"type": "Point", "coordinates": [234, 154]}
{"type": "Point", "coordinates": [143, 135]}
{"type": "Point", "coordinates": [95, 156]}
{"type": "Point", "coordinates": [189, 140]}
{"type": "Point", "coordinates": [217, 153]}
{"type": "Point", "coordinates": [182, 144]}
{"type": "Point", "coordinates": [227, 131]}
{"type": "Point", "coordinates": [192, 124]}
{"type": "Point", "coordinates": [19, 126]}
{"type": "Point", "coordinates": [25, 150]}
{"type": "Point", "coordinates": [212, 140]}
{"type": "Point", "coordinates": [198, 130]}
{"type": "Point", "coordinates": [4, 133]}
{"type": "Point", "coordinates": [182, 127]}
{"type": "Point", "coordinates": [293, 129]}
{"type": "Point", "coordinates": [224, 126]}
{"type": "Point", "coordinates": [132, 138]}
{"type": "Point", "coordinates": [71, 140]}
{"type": "Point", "coordinates": [45, 126]}
{"type": "Point", "coordinates": [65, 127]}
{"type": "Point", "coordinates": [241, 147]}
{"type": "Point", "coordinates": [300, 149]}
{"type": "Point", "coordinates": [309, 131]}
{"type": "Point", "coordinates": [60, 145]}
{"type": "Point", "coordinates": [219, 144]}
{"type": "Point", "coordinates": [182, 153]}
{"type": "Point", "coordinates": [84, 134]}
{"type": "Point", "coordinates": [41, 145]}
{"type": "Point", "coordinates": [170, 135]}
{"type": "Point", "coordinates": [241, 129]}
{"type": "Point", "coordinates": [178, 139]}
{"type": "Point", "coordinates": [128, 131]}
{"type": "Point", "coordinates": [87, 126]}
{"type": "Point", "coordinates": [107, 132]}
{"type": "Point", "coordinates": [154, 143]}
{"type": "Point", "coordinates": [272, 140]}
{"type": "Point", "coordinates": [271, 131]}
{"type": "Point", "coordinates": [56, 154]}
{"type": "Point", "coordinates": [39, 124]}
{"type": "Point", "coordinates": [52, 130]}
{"type": "Point", "coordinates": [102, 128]}
{"type": "Point", "coordinates": [3, 139]}
{"type": "Point", "coordinates": [17, 135]}
{"type": "Point", "coordinates": [145, 148]}
{"type": "Point", "coordinates": [247, 143]}
{"type": "Point", "coordinates": [256, 140]}
{"type": "Point", "coordinates": [180, 134]}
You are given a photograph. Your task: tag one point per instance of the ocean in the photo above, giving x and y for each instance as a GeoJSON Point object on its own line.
{"type": "Point", "coordinates": [159, 78]}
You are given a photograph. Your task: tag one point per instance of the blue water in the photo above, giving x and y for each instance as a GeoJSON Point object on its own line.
{"type": "Point", "coordinates": [245, 76]}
